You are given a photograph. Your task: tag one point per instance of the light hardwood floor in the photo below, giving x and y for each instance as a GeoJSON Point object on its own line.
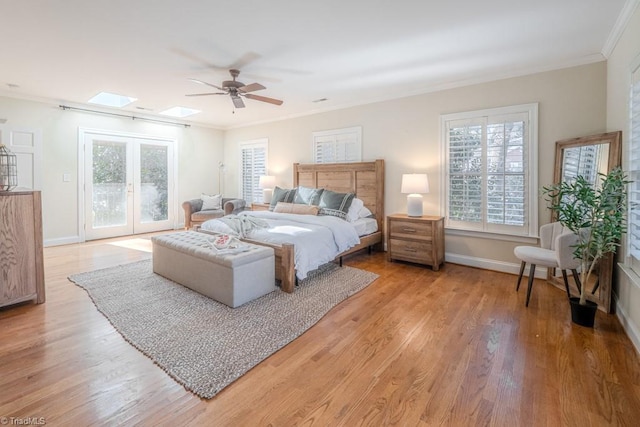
{"type": "Point", "coordinates": [417, 347]}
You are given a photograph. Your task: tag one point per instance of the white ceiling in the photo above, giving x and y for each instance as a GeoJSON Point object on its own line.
{"type": "Point", "coordinates": [350, 52]}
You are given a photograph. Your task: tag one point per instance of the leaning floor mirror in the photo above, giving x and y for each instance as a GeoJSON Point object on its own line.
{"type": "Point", "coordinates": [588, 156]}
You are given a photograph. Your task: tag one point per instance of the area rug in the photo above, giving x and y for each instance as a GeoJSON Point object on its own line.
{"type": "Point", "coordinates": [205, 345]}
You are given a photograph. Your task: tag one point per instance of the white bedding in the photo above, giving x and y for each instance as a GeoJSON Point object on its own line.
{"type": "Point", "coordinates": [317, 239]}
{"type": "Point", "coordinates": [365, 226]}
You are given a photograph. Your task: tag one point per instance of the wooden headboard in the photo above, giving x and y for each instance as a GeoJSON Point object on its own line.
{"type": "Point", "coordinates": [365, 179]}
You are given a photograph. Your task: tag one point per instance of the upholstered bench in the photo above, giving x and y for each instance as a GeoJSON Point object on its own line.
{"type": "Point", "coordinates": [233, 279]}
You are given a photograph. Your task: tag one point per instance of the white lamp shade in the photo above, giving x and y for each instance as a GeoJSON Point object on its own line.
{"type": "Point", "coordinates": [415, 183]}
{"type": "Point", "coordinates": [267, 181]}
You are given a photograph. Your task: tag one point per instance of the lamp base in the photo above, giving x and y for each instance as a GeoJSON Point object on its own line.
{"type": "Point", "coordinates": [414, 205]}
{"type": "Point", "coordinates": [266, 195]}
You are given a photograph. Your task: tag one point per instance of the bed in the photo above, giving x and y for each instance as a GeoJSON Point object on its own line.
{"type": "Point", "coordinates": [364, 179]}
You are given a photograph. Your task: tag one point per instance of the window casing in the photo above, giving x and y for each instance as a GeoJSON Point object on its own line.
{"type": "Point", "coordinates": [489, 156]}
{"type": "Point", "coordinates": [633, 229]}
{"type": "Point", "coordinates": [338, 145]}
{"type": "Point", "coordinates": [253, 164]}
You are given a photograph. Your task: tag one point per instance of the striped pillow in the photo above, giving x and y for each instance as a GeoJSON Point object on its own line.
{"type": "Point", "coordinates": [335, 204]}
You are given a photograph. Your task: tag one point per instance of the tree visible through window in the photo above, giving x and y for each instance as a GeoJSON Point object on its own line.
{"type": "Point", "coordinates": [489, 155]}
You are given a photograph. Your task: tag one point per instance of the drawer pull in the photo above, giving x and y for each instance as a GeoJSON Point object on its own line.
{"type": "Point", "coordinates": [410, 249]}
{"type": "Point", "coordinates": [409, 230]}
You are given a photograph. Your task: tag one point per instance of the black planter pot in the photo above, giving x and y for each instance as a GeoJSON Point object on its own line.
{"type": "Point", "coordinates": [583, 315]}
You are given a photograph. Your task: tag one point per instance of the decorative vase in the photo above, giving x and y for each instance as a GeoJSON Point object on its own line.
{"type": "Point", "coordinates": [8, 169]}
{"type": "Point", "coordinates": [583, 315]}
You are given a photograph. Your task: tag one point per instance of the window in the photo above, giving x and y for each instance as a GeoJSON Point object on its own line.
{"type": "Point", "coordinates": [489, 156]}
{"type": "Point", "coordinates": [633, 231]}
{"type": "Point", "coordinates": [253, 164]}
{"type": "Point", "coordinates": [338, 145]}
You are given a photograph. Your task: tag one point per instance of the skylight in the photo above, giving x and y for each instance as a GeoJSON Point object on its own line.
{"type": "Point", "coordinates": [112, 100]}
{"type": "Point", "coordinates": [179, 112]}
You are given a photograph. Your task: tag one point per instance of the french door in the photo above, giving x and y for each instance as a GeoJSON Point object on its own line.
{"type": "Point", "coordinates": [128, 185]}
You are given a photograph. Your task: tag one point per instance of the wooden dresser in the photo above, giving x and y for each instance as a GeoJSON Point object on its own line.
{"type": "Point", "coordinates": [21, 257]}
{"type": "Point", "coordinates": [416, 239]}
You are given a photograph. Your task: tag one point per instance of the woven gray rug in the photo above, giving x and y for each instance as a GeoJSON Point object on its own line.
{"type": "Point", "coordinates": [205, 345]}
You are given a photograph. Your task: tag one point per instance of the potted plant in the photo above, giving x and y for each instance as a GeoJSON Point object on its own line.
{"type": "Point", "coordinates": [596, 214]}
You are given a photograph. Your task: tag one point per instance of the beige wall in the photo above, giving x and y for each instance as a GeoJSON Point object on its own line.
{"type": "Point", "coordinates": [626, 52]}
{"type": "Point", "coordinates": [199, 151]}
{"type": "Point", "coordinates": [405, 133]}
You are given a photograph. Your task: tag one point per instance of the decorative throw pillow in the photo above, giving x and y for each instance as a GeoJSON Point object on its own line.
{"type": "Point", "coordinates": [354, 210]}
{"type": "Point", "coordinates": [282, 195]}
{"type": "Point", "coordinates": [335, 204]}
{"type": "Point", "coordinates": [211, 202]}
{"type": "Point", "coordinates": [293, 208]}
{"type": "Point", "coordinates": [308, 196]}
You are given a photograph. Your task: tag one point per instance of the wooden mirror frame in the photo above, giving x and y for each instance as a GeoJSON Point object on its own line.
{"type": "Point", "coordinates": [605, 269]}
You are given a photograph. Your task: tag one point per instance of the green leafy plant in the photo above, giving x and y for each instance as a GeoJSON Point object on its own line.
{"type": "Point", "coordinates": [595, 213]}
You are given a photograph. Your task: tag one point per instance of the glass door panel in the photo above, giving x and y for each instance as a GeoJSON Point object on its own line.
{"type": "Point", "coordinates": [108, 193]}
{"type": "Point", "coordinates": [153, 174]}
{"type": "Point", "coordinates": [109, 199]}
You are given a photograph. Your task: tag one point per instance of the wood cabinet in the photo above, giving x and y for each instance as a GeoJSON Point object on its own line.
{"type": "Point", "coordinates": [259, 206]}
{"type": "Point", "coordinates": [416, 239]}
{"type": "Point", "coordinates": [21, 257]}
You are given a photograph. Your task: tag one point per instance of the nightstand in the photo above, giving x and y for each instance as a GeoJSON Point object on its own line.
{"type": "Point", "coordinates": [259, 206]}
{"type": "Point", "coordinates": [416, 239]}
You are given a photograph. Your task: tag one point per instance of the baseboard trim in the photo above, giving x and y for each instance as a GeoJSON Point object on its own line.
{"type": "Point", "coordinates": [492, 264]}
{"type": "Point", "coordinates": [629, 327]}
{"type": "Point", "coordinates": [61, 241]}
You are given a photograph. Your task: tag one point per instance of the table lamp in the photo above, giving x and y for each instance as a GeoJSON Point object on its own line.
{"type": "Point", "coordinates": [414, 184]}
{"type": "Point", "coordinates": [267, 182]}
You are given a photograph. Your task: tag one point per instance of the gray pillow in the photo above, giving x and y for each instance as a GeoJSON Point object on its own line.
{"type": "Point", "coordinates": [308, 196]}
{"type": "Point", "coordinates": [335, 204]}
{"type": "Point", "coordinates": [282, 195]}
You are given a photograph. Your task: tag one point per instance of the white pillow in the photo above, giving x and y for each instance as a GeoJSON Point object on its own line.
{"type": "Point", "coordinates": [354, 210]}
{"type": "Point", "coordinates": [364, 212]}
{"type": "Point", "coordinates": [211, 202]}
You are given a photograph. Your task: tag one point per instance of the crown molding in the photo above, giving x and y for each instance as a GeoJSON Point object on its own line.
{"type": "Point", "coordinates": [618, 28]}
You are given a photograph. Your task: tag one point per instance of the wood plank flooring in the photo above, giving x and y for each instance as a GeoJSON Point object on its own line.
{"type": "Point", "coordinates": [417, 347]}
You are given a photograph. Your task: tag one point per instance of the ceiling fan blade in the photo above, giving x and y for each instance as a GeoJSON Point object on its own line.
{"type": "Point", "coordinates": [251, 87]}
{"type": "Point", "coordinates": [237, 101]}
{"type": "Point", "coordinates": [206, 94]}
{"type": "Point", "coordinates": [206, 84]}
{"type": "Point", "coordinates": [264, 99]}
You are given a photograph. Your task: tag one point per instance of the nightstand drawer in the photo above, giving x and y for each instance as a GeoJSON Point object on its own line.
{"type": "Point", "coordinates": [411, 229]}
{"type": "Point", "coordinates": [411, 250]}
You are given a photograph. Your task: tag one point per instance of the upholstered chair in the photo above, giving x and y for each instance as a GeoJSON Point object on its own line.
{"type": "Point", "coordinates": [555, 251]}
{"type": "Point", "coordinates": [194, 215]}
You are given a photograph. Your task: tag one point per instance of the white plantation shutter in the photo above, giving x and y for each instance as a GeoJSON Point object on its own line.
{"type": "Point", "coordinates": [465, 173]}
{"type": "Point", "coordinates": [338, 145]}
{"type": "Point", "coordinates": [253, 164]}
{"type": "Point", "coordinates": [633, 232]}
{"type": "Point", "coordinates": [488, 155]}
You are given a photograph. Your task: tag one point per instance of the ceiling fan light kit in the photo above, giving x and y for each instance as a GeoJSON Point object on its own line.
{"type": "Point", "coordinates": [237, 90]}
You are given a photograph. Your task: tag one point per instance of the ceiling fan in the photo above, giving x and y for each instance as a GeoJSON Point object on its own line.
{"type": "Point", "coordinates": [237, 90]}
